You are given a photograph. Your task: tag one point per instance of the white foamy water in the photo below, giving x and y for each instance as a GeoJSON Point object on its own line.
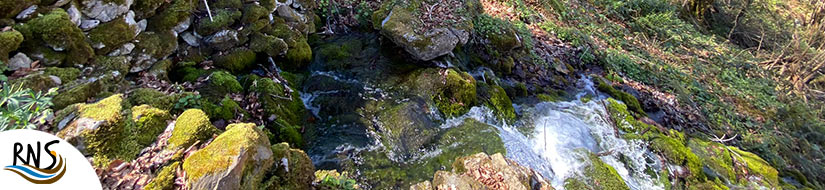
{"type": "Point", "coordinates": [556, 134]}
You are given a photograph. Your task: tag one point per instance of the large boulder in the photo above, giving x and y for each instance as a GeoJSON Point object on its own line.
{"type": "Point", "coordinates": [237, 159]}
{"type": "Point", "coordinates": [426, 39]}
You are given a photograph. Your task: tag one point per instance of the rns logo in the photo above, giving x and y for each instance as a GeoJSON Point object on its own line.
{"type": "Point", "coordinates": [26, 163]}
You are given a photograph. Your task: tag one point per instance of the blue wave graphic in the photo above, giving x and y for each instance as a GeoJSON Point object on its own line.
{"type": "Point", "coordinates": [29, 171]}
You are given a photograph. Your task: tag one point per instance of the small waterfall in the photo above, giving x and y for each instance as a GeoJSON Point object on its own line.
{"type": "Point", "coordinates": [556, 132]}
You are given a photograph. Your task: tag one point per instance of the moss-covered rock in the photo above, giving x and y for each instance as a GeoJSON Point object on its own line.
{"type": "Point", "coordinates": [151, 47]}
{"type": "Point", "coordinates": [597, 175]}
{"type": "Point", "coordinates": [271, 45]}
{"type": "Point", "coordinates": [171, 16]}
{"type": "Point", "coordinates": [191, 126]}
{"type": "Point", "coordinates": [221, 20]}
{"type": "Point", "coordinates": [237, 159]}
{"type": "Point", "coordinates": [400, 23]}
{"type": "Point", "coordinates": [146, 8]}
{"type": "Point", "coordinates": [100, 130]}
{"type": "Point", "coordinates": [294, 171]}
{"type": "Point", "coordinates": [152, 98]}
{"type": "Point", "coordinates": [630, 100]}
{"type": "Point", "coordinates": [299, 53]}
{"type": "Point", "coordinates": [494, 97]}
{"type": "Point", "coordinates": [277, 100]}
{"type": "Point", "coordinates": [405, 128]}
{"type": "Point", "coordinates": [253, 12]}
{"type": "Point", "coordinates": [220, 84]}
{"type": "Point", "coordinates": [236, 61]}
{"type": "Point", "coordinates": [226, 109]}
{"type": "Point", "coordinates": [470, 137]}
{"type": "Point", "coordinates": [9, 41]}
{"type": "Point", "coordinates": [149, 123]}
{"type": "Point", "coordinates": [37, 82]}
{"type": "Point", "coordinates": [65, 74]}
{"type": "Point", "coordinates": [10, 8]}
{"type": "Point", "coordinates": [59, 34]}
{"type": "Point", "coordinates": [165, 179]}
{"type": "Point", "coordinates": [453, 92]}
{"type": "Point", "coordinates": [111, 35]}
{"type": "Point", "coordinates": [675, 151]}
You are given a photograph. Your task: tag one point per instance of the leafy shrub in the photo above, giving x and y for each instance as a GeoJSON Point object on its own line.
{"type": "Point", "coordinates": [340, 182]}
{"type": "Point", "coordinates": [22, 108]}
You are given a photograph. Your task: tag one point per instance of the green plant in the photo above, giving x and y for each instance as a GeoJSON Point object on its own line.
{"type": "Point", "coordinates": [340, 182]}
{"type": "Point", "coordinates": [22, 108]}
{"type": "Point", "coordinates": [188, 101]}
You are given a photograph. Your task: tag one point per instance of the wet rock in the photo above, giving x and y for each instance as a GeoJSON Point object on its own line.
{"type": "Point", "coordinates": [453, 92]}
{"type": "Point", "coordinates": [104, 10]}
{"type": "Point", "coordinates": [597, 175]}
{"type": "Point", "coordinates": [406, 128]}
{"type": "Point", "coordinates": [236, 159]}
{"type": "Point", "coordinates": [19, 61]}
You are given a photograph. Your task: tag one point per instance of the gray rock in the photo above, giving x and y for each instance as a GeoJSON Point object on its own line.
{"type": "Point", "coordinates": [182, 26]}
{"type": "Point", "coordinates": [27, 13]}
{"type": "Point", "coordinates": [142, 62]}
{"type": "Point", "coordinates": [60, 3]}
{"type": "Point", "coordinates": [87, 25]}
{"type": "Point", "coordinates": [105, 11]}
{"type": "Point", "coordinates": [290, 15]}
{"type": "Point", "coordinates": [399, 26]}
{"type": "Point", "coordinates": [74, 15]}
{"type": "Point", "coordinates": [191, 39]}
{"type": "Point", "coordinates": [20, 61]}
{"type": "Point", "coordinates": [223, 40]}
{"type": "Point", "coordinates": [142, 25]}
{"type": "Point", "coordinates": [123, 50]}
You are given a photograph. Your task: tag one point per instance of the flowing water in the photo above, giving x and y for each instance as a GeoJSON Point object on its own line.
{"type": "Point", "coordinates": [557, 132]}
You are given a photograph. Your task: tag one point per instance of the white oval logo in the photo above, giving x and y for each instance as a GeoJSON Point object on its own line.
{"type": "Point", "coordinates": [37, 160]}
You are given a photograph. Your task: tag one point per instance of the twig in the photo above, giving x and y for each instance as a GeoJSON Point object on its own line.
{"type": "Point", "coordinates": [207, 10]}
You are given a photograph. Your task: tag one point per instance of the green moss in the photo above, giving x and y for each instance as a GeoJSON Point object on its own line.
{"type": "Point", "coordinates": [108, 63]}
{"type": "Point", "coordinates": [9, 41]}
{"type": "Point", "coordinates": [110, 139]}
{"type": "Point", "coordinates": [240, 143]}
{"type": "Point", "coordinates": [548, 97]}
{"type": "Point", "coordinates": [36, 82]}
{"type": "Point", "coordinates": [756, 166]}
{"type": "Point", "coordinates": [55, 30]}
{"type": "Point", "coordinates": [221, 20]}
{"type": "Point", "coordinates": [190, 74]}
{"type": "Point", "coordinates": [220, 84]}
{"type": "Point", "coordinates": [76, 94]}
{"type": "Point", "coordinates": [597, 175]}
{"type": "Point", "coordinates": [156, 44]}
{"type": "Point", "coordinates": [192, 125]}
{"type": "Point", "coordinates": [165, 179]}
{"type": "Point", "coordinates": [152, 98]}
{"type": "Point", "coordinates": [276, 100]}
{"type": "Point", "coordinates": [171, 16]}
{"type": "Point", "coordinates": [618, 112]}
{"type": "Point", "coordinates": [457, 95]}
{"type": "Point", "coordinates": [677, 153]}
{"type": "Point", "coordinates": [149, 123]}
{"type": "Point", "coordinates": [252, 13]}
{"type": "Point", "coordinates": [714, 156]}
{"type": "Point", "coordinates": [146, 8]}
{"type": "Point", "coordinates": [299, 53]}
{"type": "Point", "coordinates": [112, 35]}
{"type": "Point", "coordinates": [298, 175]}
{"type": "Point", "coordinates": [225, 110]}
{"type": "Point", "coordinates": [10, 8]}
{"type": "Point", "coordinates": [496, 98]}
{"type": "Point", "coordinates": [236, 61]}
{"type": "Point", "coordinates": [625, 97]}
{"type": "Point", "coordinates": [271, 45]}
{"type": "Point", "coordinates": [66, 75]}
{"type": "Point", "coordinates": [289, 133]}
